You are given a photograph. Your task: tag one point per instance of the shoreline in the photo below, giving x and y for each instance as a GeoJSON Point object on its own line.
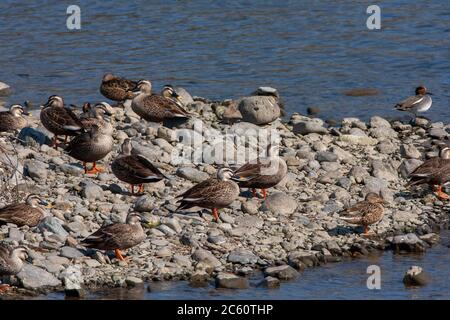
{"type": "Point", "coordinates": [296, 228]}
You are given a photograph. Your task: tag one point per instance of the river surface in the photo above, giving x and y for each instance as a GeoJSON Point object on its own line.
{"type": "Point", "coordinates": [311, 51]}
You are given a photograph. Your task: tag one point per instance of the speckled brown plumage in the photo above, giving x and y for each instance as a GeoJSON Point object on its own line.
{"type": "Point", "coordinates": [11, 259]}
{"type": "Point", "coordinates": [12, 119]}
{"type": "Point", "coordinates": [24, 214]}
{"type": "Point", "coordinates": [116, 88]}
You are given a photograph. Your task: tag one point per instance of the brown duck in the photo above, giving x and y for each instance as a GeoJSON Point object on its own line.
{"type": "Point", "coordinates": [116, 88]}
{"type": "Point", "coordinates": [117, 236]}
{"type": "Point", "coordinates": [434, 172]}
{"type": "Point", "coordinates": [134, 169]}
{"type": "Point", "coordinates": [24, 214]}
{"type": "Point", "coordinates": [365, 213]}
{"type": "Point", "coordinates": [13, 118]}
{"type": "Point", "coordinates": [214, 193]}
{"type": "Point", "coordinates": [157, 108]}
{"type": "Point", "coordinates": [262, 173]}
{"type": "Point", "coordinates": [60, 120]}
{"type": "Point", "coordinates": [90, 146]}
{"type": "Point", "coordinates": [11, 261]}
{"type": "Point", "coordinates": [98, 116]}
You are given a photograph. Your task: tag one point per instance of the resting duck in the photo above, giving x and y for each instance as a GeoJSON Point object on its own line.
{"type": "Point", "coordinates": [434, 172]}
{"type": "Point", "coordinates": [134, 169]}
{"type": "Point", "coordinates": [97, 117]}
{"type": "Point", "coordinates": [11, 261]}
{"type": "Point", "coordinates": [24, 214]}
{"type": "Point", "coordinates": [60, 120]}
{"type": "Point", "coordinates": [420, 102]}
{"type": "Point", "coordinates": [117, 236]}
{"type": "Point", "coordinates": [214, 193]}
{"type": "Point", "coordinates": [13, 118]}
{"type": "Point", "coordinates": [90, 146]}
{"type": "Point", "coordinates": [365, 213]}
{"type": "Point", "coordinates": [262, 173]}
{"type": "Point", "coordinates": [157, 108]}
{"type": "Point", "coordinates": [116, 88]}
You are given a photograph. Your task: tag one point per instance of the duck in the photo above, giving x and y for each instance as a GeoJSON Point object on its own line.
{"type": "Point", "coordinates": [366, 212]}
{"type": "Point", "coordinates": [214, 193]}
{"type": "Point", "coordinates": [262, 173]}
{"type": "Point", "coordinates": [97, 117]}
{"type": "Point", "coordinates": [11, 261]}
{"type": "Point", "coordinates": [117, 236]}
{"type": "Point", "coordinates": [60, 120]}
{"type": "Point", "coordinates": [13, 118]}
{"type": "Point", "coordinates": [134, 169]}
{"type": "Point", "coordinates": [28, 213]}
{"type": "Point", "coordinates": [420, 102]}
{"type": "Point", "coordinates": [434, 172]}
{"type": "Point", "coordinates": [90, 146]}
{"type": "Point", "coordinates": [157, 108]}
{"type": "Point", "coordinates": [116, 88]}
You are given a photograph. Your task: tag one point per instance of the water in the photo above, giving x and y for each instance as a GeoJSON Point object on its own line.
{"type": "Point", "coordinates": [344, 280]}
{"type": "Point", "coordinates": [311, 51]}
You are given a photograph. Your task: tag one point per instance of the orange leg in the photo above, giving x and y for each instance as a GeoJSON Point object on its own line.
{"type": "Point", "coordinates": [264, 191]}
{"type": "Point", "coordinates": [120, 257]}
{"type": "Point", "coordinates": [65, 139]}
{"type": "Point", "coordinates": [55, 142]}
{"type": "Point", "coordinates": [254, 193]}
{"type": "Point", "coordinates": [441, 194]}
{"type": "Point", "coordinates": [94, 169]}
{"type": "Point", "coordinates": [132, 188]}
{"type": "Point", "coordinates": [366, 230]}
{"type": "Point", "coordinates": [4, 288]}
{"type": "Point", "coordinates": [141, 188]}
{"type": "Point", "coordinates": [215, 213]}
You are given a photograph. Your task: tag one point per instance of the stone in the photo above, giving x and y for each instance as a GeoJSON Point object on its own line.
{"type": "Point", "coordinates": [31, 136]}
{"type": "Point", "coordinates": [437, 133]}
{"type": "Point", "coordinates": [184, 96]}
{"type": "Point", "coordinates": [358, 140]}
{"type": "Point", "coordinates": [415, 276]}
{"type": "Point", "coordinates": [283, 272]}
{"type": "Point", "coordinates": [144, 204]}
{"type": "Point", "coordinates": [192, 174]}
{"type": "Point", "coordinates": [359, 173]}
{"type": "Point", "coordinates": [408, 166]}
{"type": "Point", "coordinates": [409, 151]}
{"type": "Point", "coordinates": [91, 191]}
{"type": "Point", "coordinates": [250, 206]}
{"type": "Point", "coordinates": [307, 127]}
{"type": "Point", "coordinates": [408, 242]}
{"type": "Point", "coordinates": [35, 278]}
{"type": "Point", "coordinates": [72, 279]}
{"type": "Point", "coordinates": [379, 122]}
{"type": "Point", "coordinates": [199, 278]}
{"type": "Point", "coordinates": [202, 255]}
{"type": "Point", "coordinates": [231, 281]}
{"type": "Point", "coordinates": [242, 256]}
{"type": "Point", "coordinates": [384, 170]}
{"type": "Point", "coordinates": [36, 169]}
{"type": "Point", "coordinates": [70, 253]}
{"type": "Point", "coordinates": [53, 225]}
{"type": "Point", "coordinates": [167, 134]}
{"type": "Point", "coordinates": [5, 90]}
{"type": "Point", "coordinates": [259, 109]}
{"type": "Point", "coordinates": [280, 203]}
{"type": "Point", "coordinates": [326, 156]}
{"type": "Point", "coordinates": [269, 283]}
{"type": "Point", "coordinates": [133, 281]}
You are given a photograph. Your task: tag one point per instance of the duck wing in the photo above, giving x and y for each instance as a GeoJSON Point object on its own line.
{"type": "Point", "coordinates": [409, 103]}
{"type": "Point", "coordinates": [15, 213]}
{"type": "Point", "coordinates": [108, 237]}
{"type": "Point", "coordinates": [140, 167]}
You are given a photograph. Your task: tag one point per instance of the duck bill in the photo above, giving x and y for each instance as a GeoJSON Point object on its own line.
{"type": "Point", "coordinates": [240, 179]}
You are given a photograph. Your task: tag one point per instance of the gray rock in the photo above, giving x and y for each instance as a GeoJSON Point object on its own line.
{"type": "Point", "coordinates": [32, 136]}
{"type": "Point", "coordinates": [280, 203]}
{"type": "Point", "coordinates": [192, 174]}
{"type": "Point", "coordinates": [408, 166]}
{"type": "Point", "coordinates": [34, 278]}
{"type": "Point", "coordinates": [408, 242]}
{"type": "Point", "coordinates": [284, 272]}
{"type": "Point", "coordinates": [72, 279]}
{"type": "Point", "coordinates": [231, 281]}
{"type": "Point", "coordinates": [307, 127]}
{"type": "Point", "coordinates": [250, 206]}
{"type": "Point", "coordinates": [133, 281]}
{"type": "Point", "coordinates": [167, 134]}
{"type": "Point", "coordinates": [326, 156]}
{"type": "Point", "coordinates": [202, 255]}
{"type": "Point", "coordinates": [374, 184]}
{"type": "Point", "coordinates": [259, 109]}
{"type": "Point", "coordinates": [359, 173]}
{"type": "Point", "coordinates": [91, 191]}
{"type": "Point", "coordinates": [5, 90]}
{"type": "Point", "coordinates": [70, 253]}
{"type": "Point", "coordinates": [384, 170]}
{"type": "Point", "coordinates": [72, 169]}
{"type": "Point", "coordinates": [409, 151]}
{"type": "Point", "coordinates": [186, 98]}
{"type": "Point", "coordinates": [437, 133]}
{"type": "Point", "coordinates": [415, 276]}
{"type": "Point", "coordinates": [379, 122]}
{"type": "Point", "coordinates": [242, 256]}
{"type": "Point", "coordinates": [269, 283]}
{"type": "Point", "coordinates": [53, 225]}
{"type": "Point", "coordinates": [144, 204]}
{"type": "Point", "coordinates": [36, 169]}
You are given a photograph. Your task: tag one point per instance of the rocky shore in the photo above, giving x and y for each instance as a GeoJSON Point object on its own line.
{"type": "Point", "coordinates": [296, 227]}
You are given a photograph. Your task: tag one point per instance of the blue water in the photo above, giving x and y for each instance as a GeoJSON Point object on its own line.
{"type": "Point", "coordinates": [311, 51]}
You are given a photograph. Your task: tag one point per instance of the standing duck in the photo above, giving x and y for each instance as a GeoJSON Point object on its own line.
{"type": "Point", "coordinates": [420, 102]}
{"type": "Point", "coordinates": [434, 172]}
{"type": "Point", "coordinates": [24, 214]}
{"type": "Point", "coordinates": [116, 88]}
{"type": "Point", "coordinates": [262, 173]}
{"type": "Point", "coordinates": [97, 117]}
{"type": "Point", "coordinates": [13, 118]}
{"type": "Point", "coordinates": [117, 236]}
{"type": "Point", "coordinates": [90, 146]}
{"type": "Point", "coordinates": [366, 212]}
{"type": "Point", "coordinates": [214, 193]}
{"type": "Point", "coordinates": [134, 169]}
{"type": "Point", "coordinates": [11, 261]}
{"type": "Point", "coordinates": [157, 108]}
{"type": "Point", "coordinates": [60, 120]}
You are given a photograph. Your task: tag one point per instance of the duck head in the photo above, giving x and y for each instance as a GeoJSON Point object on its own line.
{"type": "Point", "coordinates": [225, 174]}
{"type": "Point", "coordinates": [34, 201]}
{"type": "Point", "coordinates": [421, 90]}
{"type": "Point", "coordinates": [373, 197]}
{"type": "Point", "coordinates": [126, 147]}
{"type": "Point", "coordinates": [108, 77]}
{"type": "Point", "coordinates": [54, 101]}
{"type": "Point", "coordinates": [445, 153]}
{"type": "Point", "coordinates": [20, 253]}
{"type": "Point", "coordinates": [143, 86]}
{"type": "Point", "coordinates": [134, 218]}
{"type": "Point", "coordinates": [169, 92]}
{"type": "Point", "coordinates": [17, 110]}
